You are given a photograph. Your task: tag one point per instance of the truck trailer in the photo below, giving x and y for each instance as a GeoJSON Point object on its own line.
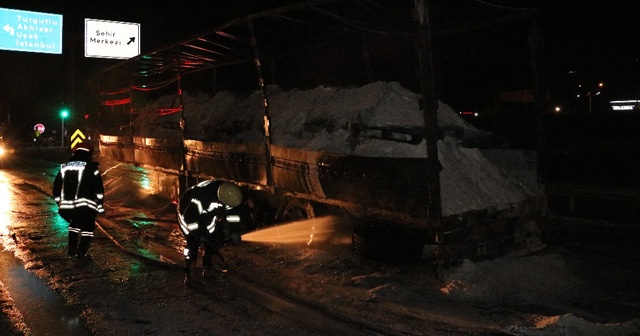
{"type": "Point", "coordinates": [396, 160]}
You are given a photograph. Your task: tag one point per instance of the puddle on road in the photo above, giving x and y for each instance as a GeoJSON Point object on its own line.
{"type": "Point", "coordinates": [44, 311]}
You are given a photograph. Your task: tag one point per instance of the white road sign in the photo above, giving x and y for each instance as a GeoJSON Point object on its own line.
{"type": "Point", "coordinates": [111, 39]}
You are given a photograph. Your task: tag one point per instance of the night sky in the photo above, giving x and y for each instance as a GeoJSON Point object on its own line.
{"type": "Point", "coordinates": [598, 40]}
{"type": "Point", "coordinates": [595, 40]}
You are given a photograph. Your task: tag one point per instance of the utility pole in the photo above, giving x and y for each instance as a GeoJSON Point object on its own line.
{"type": "Point", "coordinates": [429, 106]}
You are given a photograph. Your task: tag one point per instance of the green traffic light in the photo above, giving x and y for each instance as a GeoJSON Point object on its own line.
{"type": "Point", "coordinates": [64, 113]}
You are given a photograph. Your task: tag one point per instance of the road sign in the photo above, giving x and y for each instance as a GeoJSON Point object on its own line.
{"type": "Point", "coordinates": [76, 138]}
{"type": "Point", "coordinates": [30, 31]}
{"type": "Point", "coordinates": [39, 128]}
{"type": "Point", "coordinates": [111, 39]}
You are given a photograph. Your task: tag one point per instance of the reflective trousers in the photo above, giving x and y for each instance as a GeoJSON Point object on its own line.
{"type": "Point", "coordinates": [211, 249]}
{"type": "Point", "coordinates": [80, 235]}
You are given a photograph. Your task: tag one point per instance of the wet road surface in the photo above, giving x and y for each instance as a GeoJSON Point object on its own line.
{"type": "Point", "coordinates": [42, 311]}
{"type": "Point", "coordinates": [36, 309]}
{"type": "Point", "coordinates": [299, 291]}
{"type": "Point", "coordinates": [124, 288]}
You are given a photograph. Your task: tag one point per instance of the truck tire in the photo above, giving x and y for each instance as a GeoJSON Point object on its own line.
{"type": "Point", "coordinates": [387, 243]}
{"type": "Point", "coordinates": [297, 209]}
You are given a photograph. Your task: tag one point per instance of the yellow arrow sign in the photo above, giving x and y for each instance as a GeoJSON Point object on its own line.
{"type": "Point", "coordinates": [77, 138]}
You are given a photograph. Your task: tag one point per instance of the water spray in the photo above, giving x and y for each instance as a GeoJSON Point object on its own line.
{"type": "Point", "coordinates": [116, 166]}
{"type": "Point", "coordinates": [303, 231]}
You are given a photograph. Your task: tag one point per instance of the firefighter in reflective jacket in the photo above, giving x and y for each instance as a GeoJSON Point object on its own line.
{"type": "Point", "coordinates": [202, 212]}
{"type": "Point", "coordinates": [79, 192]}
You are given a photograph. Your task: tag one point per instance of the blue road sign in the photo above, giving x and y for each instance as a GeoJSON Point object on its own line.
{"type": "Point", "coordinates": [30, 31]}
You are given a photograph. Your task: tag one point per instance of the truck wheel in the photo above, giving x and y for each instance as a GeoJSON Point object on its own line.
{"type": "Point", "coordinates": [387, 243]}
{"type": "Point", "coordinates": [297, 209]}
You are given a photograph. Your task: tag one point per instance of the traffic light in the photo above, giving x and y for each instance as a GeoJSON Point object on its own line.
{"type": "Point", "coordinates": [64, 113]}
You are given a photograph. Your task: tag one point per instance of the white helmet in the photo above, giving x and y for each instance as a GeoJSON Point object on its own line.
{"type": "Point", "coordinates": [229, 194]}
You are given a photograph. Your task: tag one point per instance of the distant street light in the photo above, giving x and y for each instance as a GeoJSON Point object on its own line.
{"type": "Point", "coordinates": [590, 94]}
{"type": "Point", "coordinates": [64, 113]}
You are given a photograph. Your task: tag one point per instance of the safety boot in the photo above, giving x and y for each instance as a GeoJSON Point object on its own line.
{"type": "Point", "coordinates": [85, 241]}
{"type": "Point", "coordinates": [72, 249]}
{"type": "Point", "coordinates": [190, 278]}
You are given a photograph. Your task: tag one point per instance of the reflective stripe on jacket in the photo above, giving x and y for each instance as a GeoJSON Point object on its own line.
{"type": "Point", "coordinates": [200, 208]}
{"type": "Point", "coordinates": [79, 185]}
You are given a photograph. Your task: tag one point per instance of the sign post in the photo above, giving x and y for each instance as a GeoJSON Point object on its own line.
{"type": "Point", "coordinates": [63, 114]}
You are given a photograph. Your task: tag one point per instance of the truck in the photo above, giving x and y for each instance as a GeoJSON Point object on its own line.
{"type": "Point", "coordinates": [272, 107]}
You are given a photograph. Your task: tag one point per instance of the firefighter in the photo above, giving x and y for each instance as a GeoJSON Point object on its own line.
{"type": "Point", "coordinates": [79, 192]}
{"type": "Point", "coordinates": [202, 212]}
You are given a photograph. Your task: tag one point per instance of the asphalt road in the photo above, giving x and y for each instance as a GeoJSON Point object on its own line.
{"type": "Point", "coordinates": [135, 287]}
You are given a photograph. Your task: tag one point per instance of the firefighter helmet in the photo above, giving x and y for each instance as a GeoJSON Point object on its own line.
{"type": "Point", "coordinates": [229, 194]}
{"type": "Point", "coordinates": [83, 146]}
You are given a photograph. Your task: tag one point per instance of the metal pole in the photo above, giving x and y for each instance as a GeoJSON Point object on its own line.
{"type": "Point", "coordinates": [265, 104]}
{"type": "Point", "coordinates": [536, 51]}
{"type": "Point", "coordinates": [429, 106]}
{"type": "Point", "coordinates": [62, 133]}
{"type": "Point", "coordinates": [184, 178]}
